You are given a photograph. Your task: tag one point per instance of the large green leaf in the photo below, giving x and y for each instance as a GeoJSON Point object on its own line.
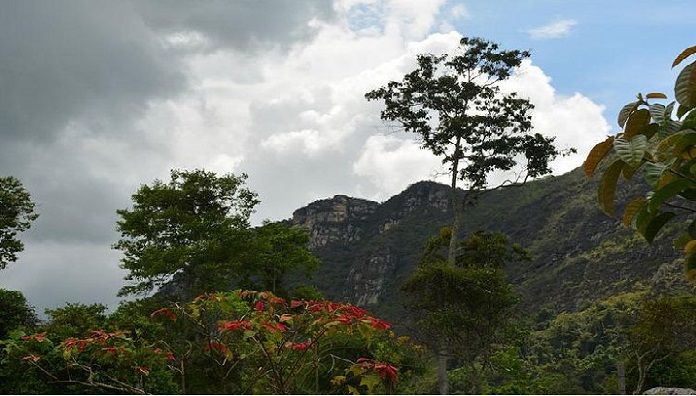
{"type": "Point", "coordinates": [656, 224]}
{"type": "Point", "coordinates": [636, 123]}
{"type": "Point", "coordinates": [685, 87]}
{"type": "Point", "coordinates": [625, 112]}
{"type": "Point", "coordinates": [653, 172]}
{"type": "Point", "coordinates": [631, 150]}
{"type": "Point", "coordinates": [607, 187]}
{"type": "Point", "coordinates": [685, 142]}
{"type": "Point", "coordinates": [657, 112]}
{"type": "Point", "coordinates": [668, 191]}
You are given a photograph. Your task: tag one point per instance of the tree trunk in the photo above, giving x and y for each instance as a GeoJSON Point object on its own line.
{"type": "Point", "coordinates": [442, 382]}
{"type": "Point", "coordinates": [622, 377]}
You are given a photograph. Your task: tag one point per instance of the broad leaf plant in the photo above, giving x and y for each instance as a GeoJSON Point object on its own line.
{"type": "Point", "coordinates": [657, 141]}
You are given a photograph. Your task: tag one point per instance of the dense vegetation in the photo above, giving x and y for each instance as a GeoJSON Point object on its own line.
{"type": "Point", "coordinates": [585, 307]}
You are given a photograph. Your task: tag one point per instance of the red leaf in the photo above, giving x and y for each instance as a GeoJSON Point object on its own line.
{"type": "Point", "coordinates": [229, 325]}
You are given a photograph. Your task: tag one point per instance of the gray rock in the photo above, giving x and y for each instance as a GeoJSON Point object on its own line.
{"type": "Point", "coordinates": [670, 391]}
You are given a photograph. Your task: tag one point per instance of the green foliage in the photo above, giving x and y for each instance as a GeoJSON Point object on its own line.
{"type": "Point", "coordinates": [16, 215]}
{"type": "Point", "coordinates": [463, 308]}
{"type": "Point", "coordinates": [237, 342]}
{"type": "Point", "coordinates": [194, 226]}
{"type": "Point", "coordinates": [281, 249]}
{"type": "Point", "coordinates": [75, 319]}
{"type": "Point", "coordinates": [193, 235]}
{"type": "Point", "coordinates": [15, 312]}
{"type": "Point", "coordinates": [665, 328]}
{"type": "Point", "coordinates": [477, 129]}
{"type": "Point", "coordinates": [660, 142]}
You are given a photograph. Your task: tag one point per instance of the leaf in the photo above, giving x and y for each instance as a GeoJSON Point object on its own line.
{"type": "Point", "coordinates": [686, 141]}
{"type": "Point", "coordinates": [631, 210]}
{"type": "Point", "coordinates": [668, 191]}
{"type": "Point", "coordinates": [657, 112]}
{"type": "Point", "coordinates": [656, 224]}
{"type": "Point", "coordinates": [631, 150]}
{"type": "Point", "coordinates": [653, 172]}
{"type": "Point", "coordinates": [371, 382]}
{"type": "Point", "coordinates": [685, 87]}
{"type": "Point", "coordinates": [625, 112]}
{"type": "Point", "coordinates": [689, 247]}
{"type": "Point", "coordinates": [684, 54]}
{"type": "Point", "coordinates": [636, 123]}
{"type": "Point", "coordinates": [629, 171]}
{"type": "Point", "coordinates": [353, 390]}
{"type": "Point", "coordinates": [607, 187]}
{"type": "Point", "coordinates": [656, 95]}
{"type": "Point", "coordinates": [598, 152]}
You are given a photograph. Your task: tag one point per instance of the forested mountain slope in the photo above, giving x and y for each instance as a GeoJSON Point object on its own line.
{"type": "Point", "coordinates": [579, 254]}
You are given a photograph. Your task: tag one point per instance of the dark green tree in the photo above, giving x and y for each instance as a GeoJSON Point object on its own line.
{"type": "Point", "coordinates": [15, 312]}
{"type": "Point", "coordinates": [281, 250]}
{"type": "Point", "coordinates": [193, 235]}
{"type": "Point", "coordinates": [16, 215]}
{"type": "Point", "coordinates": [454, 104]}
{"type": "Point", "coordinates": [463, 309]}
{"type": "Point", "coordinates": [191, 230]}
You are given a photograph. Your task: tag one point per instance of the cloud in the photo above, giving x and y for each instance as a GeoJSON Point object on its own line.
{"type": "Point", "coordinates": [553, 30]}
{"type": "Point", "coordinates": [99, 97]}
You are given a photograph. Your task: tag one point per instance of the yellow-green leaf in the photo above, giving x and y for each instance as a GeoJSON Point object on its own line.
{"type": "Point", "coordinates": [689, 247]}
{"type": "Point", "coordinates": [371, 382]}
{"type": "Point", "coordinates": [353, 390]}
{"type": "Point", "coordinates": [631, 210]}
{"type": "Point", "coordinates": [598, 152]}
{"type": "Point", "coordinates": [607, 187]}
{"type": "Point", "coordinates": [684, 54]}
{"type": "Point", "coordinates": [656, 95]}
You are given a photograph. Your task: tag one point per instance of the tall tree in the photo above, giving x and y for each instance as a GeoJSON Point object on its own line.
{"type": "Point", "coordinates": [16, 215]}
{"type": "Point", "coordinates": [455, 106]}
{"type": "Point", "coordinates": [463, 308]}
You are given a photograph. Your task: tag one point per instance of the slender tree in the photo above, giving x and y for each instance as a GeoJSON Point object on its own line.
{"type": "Point", "coordinates": [454, 104]}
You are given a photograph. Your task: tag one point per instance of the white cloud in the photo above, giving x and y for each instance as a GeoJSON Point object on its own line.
{"type": "Point", "coordinates": [294, 118]}
{"type": "Point", "coordinates": [392, 163]}
{"type": "Point", "coordinates": [553, 30]}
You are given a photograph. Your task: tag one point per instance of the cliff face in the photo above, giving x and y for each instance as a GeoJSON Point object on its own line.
{"type": "Point", "coordinates": [579, 254]}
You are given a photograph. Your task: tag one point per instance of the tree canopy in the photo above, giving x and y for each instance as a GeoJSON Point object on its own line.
{"type": "Point", "coordinates": [16, 215]}
{"type": "Point", "coordinates": [193, 235]}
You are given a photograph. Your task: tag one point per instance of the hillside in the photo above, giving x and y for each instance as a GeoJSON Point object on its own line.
{"type": "Point", "coordinates": [579, 254]}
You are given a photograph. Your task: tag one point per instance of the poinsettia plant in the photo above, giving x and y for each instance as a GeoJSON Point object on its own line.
{"type": "Point", "coordinates": [233, 342]}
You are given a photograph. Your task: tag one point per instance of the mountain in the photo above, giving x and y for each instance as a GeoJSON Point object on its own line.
{"type": "Point", "coordinates": [580, 255]}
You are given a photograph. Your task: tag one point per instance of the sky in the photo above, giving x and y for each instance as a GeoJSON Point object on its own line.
{"type": "Point", "coordinates": [99, 97]}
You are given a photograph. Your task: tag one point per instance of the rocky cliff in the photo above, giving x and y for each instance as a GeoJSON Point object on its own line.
{"type": "Point", "coordinates": [369, 248]}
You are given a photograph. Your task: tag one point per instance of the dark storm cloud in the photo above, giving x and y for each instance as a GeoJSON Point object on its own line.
{"type": "Point", "coordinates": [66, 60]}
{"type": "Point", "coordinates": [242, 24]}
